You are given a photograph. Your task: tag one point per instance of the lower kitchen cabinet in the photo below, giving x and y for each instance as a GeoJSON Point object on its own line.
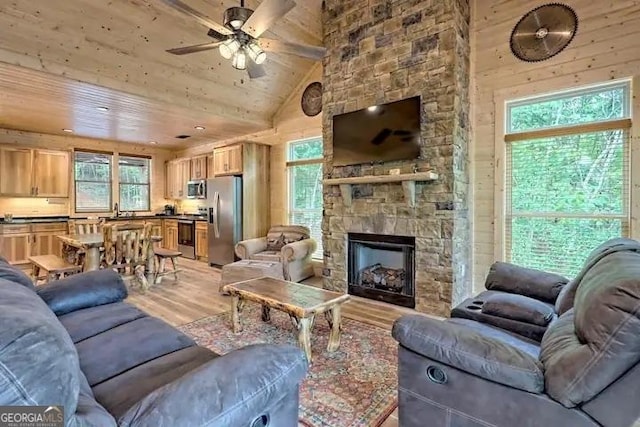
{"type": "Point", "coordinates": [20, 241]}
{"type": "Point", "coordinates": [202, 241]}
{"type": "Point", "coordinates": [170, 235]}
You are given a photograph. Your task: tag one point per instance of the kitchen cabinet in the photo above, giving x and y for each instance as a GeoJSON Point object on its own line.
{"type": "Point", "coordinates": [202, 240]}
{"type": "Point", "coordinates": [198, 168]}
{"type": "Point", "coordinates": [156, 226]}
{"type": "Point", "coordinates": [178, 175]}
{"type": "Point", "coordinates": [228, 160]}
{"type": "Point", "coordinates": [16, 172]}
{"type": "Point", "coordinates": [26, 172]}
{"type": "Point", "coordinates": [20, 241]}
{"type": "Point", "coordinates": [51, 173]}
{"type": "Point", "coordinates": [210, 167]}
{"type": "Point", "coordinates": [170, 235]}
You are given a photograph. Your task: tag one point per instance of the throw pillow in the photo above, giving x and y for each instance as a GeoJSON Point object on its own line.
{"type": "Point", "coordinates": [276, 245]}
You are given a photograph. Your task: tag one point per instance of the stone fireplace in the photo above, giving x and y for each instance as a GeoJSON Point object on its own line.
{"type": "Point", "coordinates": [382, 267]}
{"type": "Point", "coordinates": [381, 51]}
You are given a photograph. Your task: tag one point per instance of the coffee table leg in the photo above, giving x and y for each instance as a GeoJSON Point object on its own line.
{"type": "Point", "coordinates": [236, 307]}
{"type": "Point", "coordinates": [304, 335]}
{"type": "Point", "coordinates": [266, 313]}
{"type": "Point", "coordinates": [333, 317]}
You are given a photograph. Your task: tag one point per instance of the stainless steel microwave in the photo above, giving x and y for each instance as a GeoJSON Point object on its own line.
{"type": "Point", "coordinates": [197, 189]}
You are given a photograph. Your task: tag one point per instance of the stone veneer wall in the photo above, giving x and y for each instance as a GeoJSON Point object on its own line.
{"type": "Point", "coordinates": [382, 51]}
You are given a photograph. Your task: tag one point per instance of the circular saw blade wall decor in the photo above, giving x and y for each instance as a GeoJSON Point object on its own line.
{"type": "Point", "coordinates": [544, 32]}
{"type": "Point", "coordinates": [311, 101]}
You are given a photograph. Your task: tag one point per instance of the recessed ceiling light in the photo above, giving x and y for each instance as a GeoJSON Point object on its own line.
{"type": "Point", "coordinates": [372, 108]}
{"type": "Point", "coordinates": [199, 127]}
{"type": "Point", "coordinates": [153, 142]}
{"type": "Point", "coordinates": [67, 130]}
{"type": "Point", "coordinates": [102, 108]}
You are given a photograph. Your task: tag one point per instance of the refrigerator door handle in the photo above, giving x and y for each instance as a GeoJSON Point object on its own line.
{"type": "Point", "coordinates": [216, 222]}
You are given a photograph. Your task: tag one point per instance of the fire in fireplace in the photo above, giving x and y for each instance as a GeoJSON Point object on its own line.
{"type": "Point", "coordinates": [382, 267]}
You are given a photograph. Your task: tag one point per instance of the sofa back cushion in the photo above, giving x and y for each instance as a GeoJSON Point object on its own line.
{"type": "Point", "coordinates": [13, 274]}
{"type": "Point", "coordinates": [280, 235]}
{"type": "Point", "coordinates": [38, 362]}
{"type": "Point", "coordinates": [597, 341]}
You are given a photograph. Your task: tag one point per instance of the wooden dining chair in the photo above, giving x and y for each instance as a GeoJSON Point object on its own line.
{"type": "Point", "coordinates": [91, 225]}
{"type": "Point", "coordinates": [126, 250]}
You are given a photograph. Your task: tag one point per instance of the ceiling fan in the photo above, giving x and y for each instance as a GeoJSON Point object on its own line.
{"type": "Point", "coordinates": [239, 38]}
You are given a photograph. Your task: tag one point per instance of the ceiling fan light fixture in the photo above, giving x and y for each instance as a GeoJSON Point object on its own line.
{"type": "Point", "coordinates": [239, 61]}
{"type": "Point", "coordinates": [235, 17]}
{"type": "Point", "coordinates": [256, 53]}
{"type": "Point", "coordinates": [229, 48]}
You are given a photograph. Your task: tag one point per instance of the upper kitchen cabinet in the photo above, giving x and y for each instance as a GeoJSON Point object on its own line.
{"type": "Point", "coordinates": [199, 168]}
{"type": "Point", "coordinates": [228, 160]}
{"type": "Point", "coordinates": [27, 172]}
{"type": "Point", "coordinates": [51, 173]}
{"type": "Point", "coordinates": [178, 175]}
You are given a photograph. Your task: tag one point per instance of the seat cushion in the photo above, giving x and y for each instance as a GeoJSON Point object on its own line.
{"type": "Point", "coordinates": [83, 324]}
{"type": "Point", "coordinates": [273, 256]}
{"type": "Point", "coordinates": [119, 349]}
{"type": "Point", "coordinates": [120, 393]}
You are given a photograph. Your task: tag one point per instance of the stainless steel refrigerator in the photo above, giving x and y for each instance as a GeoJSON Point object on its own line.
{"type": "Point", "coordinates": [224, 200]}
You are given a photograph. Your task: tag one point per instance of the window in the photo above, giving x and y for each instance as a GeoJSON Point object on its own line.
{"type": "Point", "coordinates": [567, 174]}
{"type": "Point", "coordinates": [92, 173]}
{"type": "Point", "coordinates": [133, 173]}
{"type": "Point", "coordinates": [305, 187]}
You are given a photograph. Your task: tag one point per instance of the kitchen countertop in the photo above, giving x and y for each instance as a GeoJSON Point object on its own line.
{"type": "Point", "coordinates": [49, 219]}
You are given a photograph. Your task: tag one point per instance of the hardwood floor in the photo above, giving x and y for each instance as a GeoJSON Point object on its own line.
{"type": "Point", "coordinates": [195, 295]}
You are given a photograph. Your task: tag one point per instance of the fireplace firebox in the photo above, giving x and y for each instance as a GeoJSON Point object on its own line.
{"type": "Point", "coordinates": [382, 267]}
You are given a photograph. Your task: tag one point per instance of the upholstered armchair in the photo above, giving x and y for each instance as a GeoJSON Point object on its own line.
{"type": "Point", "coordinates": [290, 245]}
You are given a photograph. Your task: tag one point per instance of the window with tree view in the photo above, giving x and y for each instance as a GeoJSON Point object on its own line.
{"type": "Point", "coordinates": [92, 173]}
{"type": "Point", "coordinates": [133, 173]}
{"type": "Point", "coordinates": [567, 176]}
{"type": "Point", "coordinates": [305, 187]}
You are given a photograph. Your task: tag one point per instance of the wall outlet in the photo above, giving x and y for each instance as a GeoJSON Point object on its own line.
{"type": "Point", "coordinates": [394, 172]}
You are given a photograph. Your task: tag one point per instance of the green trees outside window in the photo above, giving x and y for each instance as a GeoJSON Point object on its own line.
{"type": "Point", "coordinates": [566, 193]}
{"type": "Point", "coordinates": [305, 187]}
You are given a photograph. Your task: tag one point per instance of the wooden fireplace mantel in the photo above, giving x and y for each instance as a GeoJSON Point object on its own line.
{"type": "Point", "coordinates": [408, 181]}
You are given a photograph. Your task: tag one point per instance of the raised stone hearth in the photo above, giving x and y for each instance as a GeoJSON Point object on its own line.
{"type": "Point", "coordinates": [381, 51]}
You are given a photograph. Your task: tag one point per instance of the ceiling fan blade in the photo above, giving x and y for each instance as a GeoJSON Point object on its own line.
{"type": "Point", "coordinates": [265, 15]}
{"type": "Point", "coordinates": [201, 18]}
{"type": "Point", "coordinates": [196, 48]}
{"type": "Point", "coordinates": [306, 51]}
{"type": "Point", "coordinates": [255, 70]}
{"type": "Point", "coordinates": [216, 35]}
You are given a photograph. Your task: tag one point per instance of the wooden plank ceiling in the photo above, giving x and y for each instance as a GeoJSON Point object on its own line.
{"type": "Point", "coordinates": [61, 60]}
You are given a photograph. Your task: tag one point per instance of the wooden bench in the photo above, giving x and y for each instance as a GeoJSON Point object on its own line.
{"type": "Point", "coordinates": [54, 266]}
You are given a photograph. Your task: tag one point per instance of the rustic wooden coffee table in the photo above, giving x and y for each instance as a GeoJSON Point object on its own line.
{"type": "Point", "coordinates": [301, 302]}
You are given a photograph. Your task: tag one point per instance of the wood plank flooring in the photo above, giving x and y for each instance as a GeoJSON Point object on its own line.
{"type": "Point", "coordinates": [195, 295]}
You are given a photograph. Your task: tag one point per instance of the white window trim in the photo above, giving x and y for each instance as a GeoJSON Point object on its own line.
{"type": "Point", "coordinates": [501, 98]}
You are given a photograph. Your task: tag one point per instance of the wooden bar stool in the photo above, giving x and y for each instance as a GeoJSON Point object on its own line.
{"type": "Point", "coordinates": [54, 266]}
{"type": "Point", "coordinates": [161, 259]}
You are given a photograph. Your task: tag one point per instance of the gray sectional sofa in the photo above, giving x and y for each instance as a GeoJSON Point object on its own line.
{"type": "Point", "coordinates": [584, 372]}
{"type": "Point", "coordinates": [75, 343]}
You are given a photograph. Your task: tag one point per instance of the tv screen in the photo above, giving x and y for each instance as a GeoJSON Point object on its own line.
{"type": "Point", "coordinates": [379, 133]}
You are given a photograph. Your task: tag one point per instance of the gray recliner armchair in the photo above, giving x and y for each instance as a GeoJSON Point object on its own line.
{"type": "Point", "coordinates": [585, 372]}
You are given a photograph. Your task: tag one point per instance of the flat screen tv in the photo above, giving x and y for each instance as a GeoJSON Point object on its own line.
{"type": "Point", "coordinates": [380, 133]}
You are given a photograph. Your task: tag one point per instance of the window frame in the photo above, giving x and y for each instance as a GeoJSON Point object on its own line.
{"type": "Point", "coordinates": [110, 182]}
{"type": "Point", "coordinates": [148, 184]}
{"type": "Point", "coordinates": [290, 164]}
{"type": "Point", "coordinates": [503, 216]}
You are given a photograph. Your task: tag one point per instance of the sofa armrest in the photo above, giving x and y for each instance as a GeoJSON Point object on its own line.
{"type": "Point", "coordinates": [83, 291]}
{"type": "Point", "coordinates": [231, 390]}
{"type": "Point", "coordinates": [298, 250]}
{"type": "Point", "coordinates": [470, 351]}
{"type": "Point", "coordinates": [246, 248]}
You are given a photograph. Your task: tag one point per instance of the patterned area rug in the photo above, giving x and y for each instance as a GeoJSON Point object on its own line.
{"type": "Point", "coordinates": [354, 386]}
